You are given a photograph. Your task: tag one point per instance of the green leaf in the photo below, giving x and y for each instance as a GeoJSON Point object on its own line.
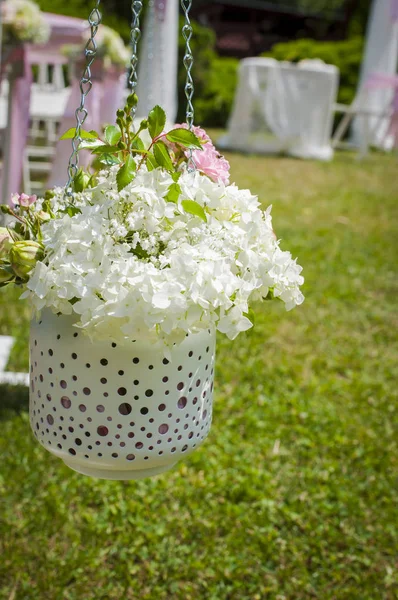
{"type": "Point", "coordinates": [126, 173]}
{"type": "Point", "coordinates": [185, 138]}
{"type": "Point", "coordinates": [156, 121]}
{"type": "Point", "coordinates": [138, 144]}
{"type": "Point", "coordinates": [90, 144]}
{"type": "Point", "coordinates": [85, 135]}
{"type": "Point", "coordinates": [151, 162]}
{"type": "Point", "coordinates": [193, 208]}
{"type": "Point", "coordinates": [140, 252]}
{"type": "Point", "coordinates": [173, 193]}
{"type": "Point", "coordinates": [162, 156]}
{"type": "Point", "coordinates": [105, 149]}
{"type": "Point", "coordinates": [12, 281]}
{"type": "Point", "coordinates": [270, 295]}
{"type": "Point", "coordinates": [176, 176]}
{"type": "Point", "coordinates": [71, 210]}
{"type": "Point", "coordinates": [105, 159]}
{"type": "Point", "coordinates": [112, 135]}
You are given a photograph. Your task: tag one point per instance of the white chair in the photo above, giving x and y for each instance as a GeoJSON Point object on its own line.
{"type": "Point", "coordinates": [370, 120]}
{"type": "Point", "coordinates": [48, 100]}
{"type": "Point", "coordinates": [373, 107]}
{"type": "Point", "coordinates": [49, 97]}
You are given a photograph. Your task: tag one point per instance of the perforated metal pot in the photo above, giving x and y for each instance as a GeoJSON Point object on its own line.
{"type": "Point", "coordinates": [118, 411]}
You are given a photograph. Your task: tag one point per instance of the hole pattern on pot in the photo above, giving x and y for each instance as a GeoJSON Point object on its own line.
{"type": "Point", "coordinates": [128, 405]}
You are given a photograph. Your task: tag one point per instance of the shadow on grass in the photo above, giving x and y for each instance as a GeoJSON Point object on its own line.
{"type": "Point", "coordinates": [13, 399]}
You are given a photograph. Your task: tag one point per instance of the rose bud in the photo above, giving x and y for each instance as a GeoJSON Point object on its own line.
{"type": "Point", "coordinates": [43, 216]}
{"type": "Point", "coordinates": [81, 181]}
{"type": "Point", "coordinates": [5, 242]}
{"type": "Point", "coordinates": [132, 100]}
{"type": "Point", "coordinates": [5, 209]}
{"type": "Point", "coordinates": [24, 256]}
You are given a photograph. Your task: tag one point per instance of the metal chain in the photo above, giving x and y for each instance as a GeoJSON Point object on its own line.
{"type": "Point", "coordinates": [188, 63]}
{"type": "Point", "coordinates": [136, 8]}
{"type": "Point", "coordinates": [86, 84]}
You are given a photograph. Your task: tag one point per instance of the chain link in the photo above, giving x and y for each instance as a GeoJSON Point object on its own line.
{"type": "Point", "coordinates": [85, 85]}
{"type": "Point", "coordinates": [135, 36]}
{"type": "Point", "coordinates": [188, 64]}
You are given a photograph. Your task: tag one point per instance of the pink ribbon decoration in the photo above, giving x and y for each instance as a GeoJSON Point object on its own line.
{"type": "Point", "coordinates": [18, 124]}
{"type": "Point", "coordinates": [381, 81]}
{"type": "Point", "coordinates": [160, 8]}
{"type": "Point", "coordinates": [394, 10]}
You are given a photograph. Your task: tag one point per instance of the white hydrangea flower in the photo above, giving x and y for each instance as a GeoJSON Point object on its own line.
{"type": "Point", "coordinates": [133, 265]}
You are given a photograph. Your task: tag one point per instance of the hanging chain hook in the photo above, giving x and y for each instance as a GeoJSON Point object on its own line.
{"type": "Point", "coordinates": [188, 64]}
{"type": "Point", "coordinates": [135, 36]}
{"type": "Point", "coordinates": [86, 84]}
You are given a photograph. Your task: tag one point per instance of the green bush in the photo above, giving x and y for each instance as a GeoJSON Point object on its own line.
{"type": "Point", "coordinates": [81, 9]}
{"type": "Point", "coordinates": [346, 55]}
{"type": "Point", "coordinates": [214, 105]}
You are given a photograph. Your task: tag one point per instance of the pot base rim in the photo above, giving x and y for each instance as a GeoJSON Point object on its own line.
{"type": "Point", "coordinates": [118, 474]}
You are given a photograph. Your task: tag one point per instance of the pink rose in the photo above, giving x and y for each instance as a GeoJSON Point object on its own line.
{"type": "Point", "coordinates": [208, 161]}
{"type": "Point", "coordinates": [200, 133]}
{"type": "Point", "coordinates": [23, 200]}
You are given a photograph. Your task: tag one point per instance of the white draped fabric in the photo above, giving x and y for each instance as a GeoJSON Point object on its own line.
{"type": "Point", "coordinates": [380, 58]}
{"type": "Point", "coordinates": [157, 70]}
{"type": "Point", "coordinates": [283, 107]}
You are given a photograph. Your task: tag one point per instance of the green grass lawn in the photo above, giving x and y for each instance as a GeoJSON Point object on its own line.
{"type": "Point", "coordinates": [293, 496]}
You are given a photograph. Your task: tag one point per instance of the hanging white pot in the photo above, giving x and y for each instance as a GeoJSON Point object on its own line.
{"type": "Point", "coordinates": [118, 411]}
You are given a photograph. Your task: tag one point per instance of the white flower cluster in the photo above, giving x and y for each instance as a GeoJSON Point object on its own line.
{"type": "Point", "coordinates": [24, 21]}
{"type": "Point", "coordinates": [133, 264]}
{"type": "Point", "coordinates": [111, 47]}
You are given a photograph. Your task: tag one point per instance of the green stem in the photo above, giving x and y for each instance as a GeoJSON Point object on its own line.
{"type": "Point", "coordinates": [145, 155]}
{"type": "Point", "coordinates": [17, 217]}
{"type": "Point", "coordinates": [128, 140]}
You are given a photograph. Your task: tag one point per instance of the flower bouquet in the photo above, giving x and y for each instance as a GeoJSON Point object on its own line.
{"type": "Point", "coordinates": [130, 282]}
{"type": "Point", "coordinates": [23, 22]}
